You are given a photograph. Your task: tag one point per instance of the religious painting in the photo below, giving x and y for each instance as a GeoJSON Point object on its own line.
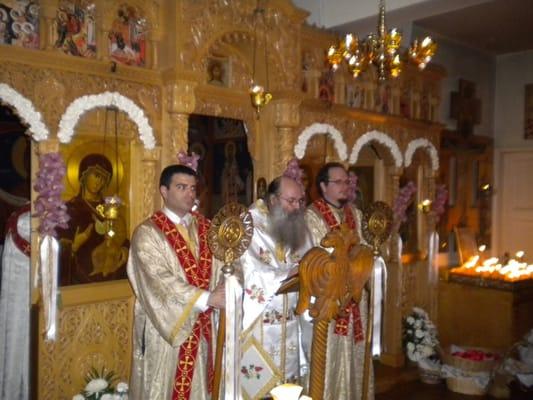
{"type": "Point", "coordinates": [326, 87]}
{"type": "Point", "coordinates": [19, 23]}
{"type": "Point", "coordinates": [127, 38]}
{"type": "Point", "coordinates": [528, 112]}
{"type": "Point", "coordinates": [405, 101]}
{"type": "Point", "coordinates": [94, 249]}
{"type": "Point", "coordinates": [354, 96]}
{"type": "Point", "coordinates": [218, 71]}
{"type": "Point", "coordinates": [225, 168]}
{"type": "Point", "coordinates": [261, 189]}
{"type": "Point", "coordinates": [384, 99]}
{"type": "Point", "coordinates": [465, 107]}
{"type": "Point", "coordinates": [75, 28]}
{"type": "Point", "coordinates": [365, 186]}
{"type": "Point", "coordinates": [233, 173]}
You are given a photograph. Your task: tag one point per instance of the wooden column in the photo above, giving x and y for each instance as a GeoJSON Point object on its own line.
{"type": "Point", "coordinates": [47, 14]}
{"type": "Point", "coordinates": [287, 117]}
{"type": "Point", "coordinates": [180, 102]}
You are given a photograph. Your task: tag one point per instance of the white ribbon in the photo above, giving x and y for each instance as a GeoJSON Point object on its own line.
{"type": "Point", "coordinates": [49, 262]}
{"type": "Point", "coordinates": [433, 272]}
{"type": "Point", "coordinates": [433, 269]}
{"type": "Point", "coordinates": [232, 354]}
{"type": "Point", "coordinates": [379, 275]}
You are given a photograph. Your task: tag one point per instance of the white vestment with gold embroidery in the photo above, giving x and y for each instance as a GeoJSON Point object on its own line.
{"type": "Point", "coordinates": [270, 342]}
{"type": "Point", "coordinates": [165, 314]}
{"type": "Point", "coordinates": [344, 358]}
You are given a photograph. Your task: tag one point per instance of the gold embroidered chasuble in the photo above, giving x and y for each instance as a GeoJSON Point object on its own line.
{"type": "Point", "coordinates": [270, 342]}
{"type": "Point", "coordinates": [345, 356]}
{"type": "Point", "coordinates": [165, 313]}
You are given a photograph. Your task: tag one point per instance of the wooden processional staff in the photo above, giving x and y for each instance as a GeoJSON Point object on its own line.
{"type": "Point", "coordinates": [335, 280]}
{"type": "Point", "coordinates": [229, 236]}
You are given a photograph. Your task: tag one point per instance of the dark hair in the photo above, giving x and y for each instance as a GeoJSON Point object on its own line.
{"type": "Point", "coordinates": [171, 170]}
{"type": "Point", "coordinates": [323, 174]}
{"type": "Point", "coordinates": [274, 189]}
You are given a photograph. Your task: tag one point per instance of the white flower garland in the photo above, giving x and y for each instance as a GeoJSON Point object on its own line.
{"type": "Point", "coordinates": [25, 110]}
{"type": "Point", "coordinates": [317, 128]}
{"type": "Point", "coordinates": [379, 137]}
{"type": "Point", "coordinates": [422, 142]}
{"type": "Point", "coordinates": [85, 103]}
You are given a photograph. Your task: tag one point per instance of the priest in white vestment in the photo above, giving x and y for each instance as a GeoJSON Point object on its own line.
{"type": "Point", "coordinates": [15, 308]}
{"type": "Point", "coordinates": [170, 270]}
{"type": "Point", "coordinates": [270, 342]}
{"type": "Point", "coordinates": [346, 336]}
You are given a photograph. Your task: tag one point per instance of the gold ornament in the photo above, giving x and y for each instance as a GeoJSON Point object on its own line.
{"type": "Point", "coordinates": [377, 224]}
{"type": "Point", "coordinates": [230, 233]}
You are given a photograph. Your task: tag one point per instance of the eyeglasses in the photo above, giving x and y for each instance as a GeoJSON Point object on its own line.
{"type": "Point", "coordinates": [293, 202]}
{"type": "Point", "coordinates": [340, 182]}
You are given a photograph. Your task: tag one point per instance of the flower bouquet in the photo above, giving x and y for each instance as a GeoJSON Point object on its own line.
{"type": "Point", "coordinates": [100, 386]}
{"type": "Point", "coordinates": [421, 343]}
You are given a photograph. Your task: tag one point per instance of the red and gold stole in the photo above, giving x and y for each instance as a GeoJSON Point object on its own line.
{"type": "Point", "coordinates": [341, 323]}
{"type": "Point", "coordinates": [198, 273]}
{"type": "Point", "coordinates": [22, 244]}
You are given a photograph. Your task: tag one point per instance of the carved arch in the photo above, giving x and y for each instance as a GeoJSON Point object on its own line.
{"type": "Point", "coordinates": [81, 105]}
{"type": "Point", "coordinates": [316, 129]}
{"type": "Point", "coordinates": [26, 111]}
{"type": "Point", "coordinates": [424, 144]}
{"type": "Point", "coordinates": [239, 41]}
{"type": "Point", "coordinates": [382, 138]}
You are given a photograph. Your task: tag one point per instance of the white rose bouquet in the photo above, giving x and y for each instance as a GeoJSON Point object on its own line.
{"type": "Point", "coordinates": [420, 336]}
{"type": "Point", "coordinates": [100, 386]}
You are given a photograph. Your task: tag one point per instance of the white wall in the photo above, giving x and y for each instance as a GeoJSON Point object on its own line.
{"type": "Point", "coordinates": [513, 72]}
{"type": "Point", "coordinates": [472, 65]}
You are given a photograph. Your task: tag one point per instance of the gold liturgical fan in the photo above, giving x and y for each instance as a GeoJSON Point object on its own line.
{"type": "Point", "coordinates": [229, 236]}
{"type": "Point", "coordinates": [377, 224]}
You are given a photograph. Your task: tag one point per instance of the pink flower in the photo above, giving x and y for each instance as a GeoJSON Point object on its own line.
{"type": "Point", "coordinates": [293, 171]}
{"type": "Point", "coordinates": [402, 202]}
{"type": "Point", "coordinates": [189, 161]}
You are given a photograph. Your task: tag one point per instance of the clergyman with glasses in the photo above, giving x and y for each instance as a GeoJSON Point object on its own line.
{"type": "Point", "coordinates": [346, 347]}
{"type": "Point", "coordinates": [271, 348]}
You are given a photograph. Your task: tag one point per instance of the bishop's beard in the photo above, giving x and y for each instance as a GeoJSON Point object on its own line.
{"type": "Point", "coordinates": [286, 228]}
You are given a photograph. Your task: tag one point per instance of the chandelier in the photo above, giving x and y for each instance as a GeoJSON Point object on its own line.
{"type": "Point", "coordinates": [259, 94]}
{"type": "Point", "coordinates": [381, 50]}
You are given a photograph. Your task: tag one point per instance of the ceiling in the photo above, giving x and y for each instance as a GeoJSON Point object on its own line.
{"type": "Point", "coordinates": [495, 27]}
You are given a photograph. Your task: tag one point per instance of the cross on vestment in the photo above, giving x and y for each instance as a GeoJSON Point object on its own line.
{"type": "Point", "coordinates": [465, 107]}
{"type": "Point", "coordinates": [184, 383]}
{"type": "Point", "coordinates": [187, 363]}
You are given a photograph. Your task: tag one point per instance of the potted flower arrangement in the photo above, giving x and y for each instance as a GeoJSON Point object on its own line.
{"type": "Point", "coordinates": [421, 344]}
{"type": "Point", "coordinates": [100, 385]}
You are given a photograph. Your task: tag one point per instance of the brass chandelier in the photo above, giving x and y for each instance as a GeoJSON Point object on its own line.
{"type": "Point", "coordinates": [381, 49]}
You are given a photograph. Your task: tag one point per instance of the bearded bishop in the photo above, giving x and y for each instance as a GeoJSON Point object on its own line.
{"type": "Point", "coordinates": [271, 346]}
